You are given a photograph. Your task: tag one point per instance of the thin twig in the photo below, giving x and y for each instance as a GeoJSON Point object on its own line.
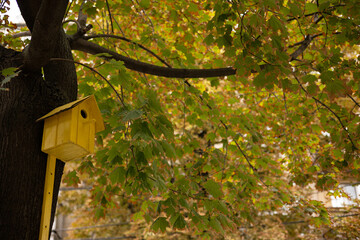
{"type": "Point", "coordinates": [285, 105]}
{"type": "Point", "coordinates": [68, 9]}
{"type": "Point", "coordinates": [328, 108]}
{"type": "Point", "coordinates": [225, 156]}
{"type": "Point", "coordinates": [357, 104]}
{"type": "Point", "coordinates": [111, 23]}
{"type": "Point", "coordinates": [143, 12]}
{"type": "Point", "coordinates": [248, 161]}
{"type": "Point", "coordinates": [74, 21]}
{"type": "Point", "coordinates": [93, 70]}
{"type": "Point", "coordinates": [326, 29]}
{"type": "Point", "coordinates": [315, 13]}
{"type": "Point", "coordinates": [245, 156]}
{"type": "Point", "coordinates": [301, 31]}
{"type": "Point", "coordinates": [130, 41]}
{"type": "Point", "coordinates": [133, 154]}
{"type": "Point", "coordinates": [122, 32]}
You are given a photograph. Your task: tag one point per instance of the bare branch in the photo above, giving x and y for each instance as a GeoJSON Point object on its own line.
{"type": "Point", "coordinates": [82, 17]}
{"type": "Point", "coordinates": [303, 45]}
{"type": "Point", "coordinates": [22, 34]}
{"type": "Point", "coordinates": [92, 48]}
{"type": "Point", "coordinates": [302, 48]}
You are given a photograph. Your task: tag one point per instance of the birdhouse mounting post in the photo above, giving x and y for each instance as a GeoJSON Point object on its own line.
{"type": "Point", "coordinates": [47, 198]}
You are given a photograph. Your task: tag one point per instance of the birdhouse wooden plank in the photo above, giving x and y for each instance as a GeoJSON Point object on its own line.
{"type": "Point", "coordinates": [69, 130]}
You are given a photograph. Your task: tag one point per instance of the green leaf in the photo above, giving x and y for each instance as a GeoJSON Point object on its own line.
{"type": "Point", "coordinates": [71, 178]}
{"type": "Point", "coordinates": [132, 115]}
{"type": "Point", "coordinates": [169, 149]}
{"type": "Point", "coordinates": [184, 203]}
{"type": "Point", "coordinates": [275, 23]}
{"type": "Point", "coordinates": [324, 5]}
{"type": "Point", "coordinates": [213, 188]}
{"type": "Point", "coordinates": [337, 153]}
{"type": "Point", "coordinates": [294, 9]}
{"type": "Point", "coordinates": [316, 128]}
{"type": "Point", "coordinates": [209, 39]}
{"type": "Point", "coordinates": [179, 222]}
{"type": "Point", "coordinates": [140, 130]}
{"type": "Point", "coordinates": [221, 206]}
{"type": "Point", "coordinates": [138, 216]}
{"type": "Point", "coordinates": [153, 102]}
{"type": "Point", "coordinates": [209, 205]}
{"type": "Point", "coordinates": [91, 11]}
{"type": "Point", "coordinates": [117, 175]}
{"type": "Point", "coordinates": [8, 71]}
{"type": "Point", "coordinates": [160, 223]}
{"type": "Point", "coordinates": [309, 78]}
{"type": "Point", "coordinates": [260, 80]}
{"type": "Point", "coordinates": [215, 82]}
{"type": "Point", "coordinates": [165, 126]}
{"type": "Point", "coordinates": [99, 212]}
{"type": "Point", "coordinates": [145, 4]}
{"type": "Point", "coordinates": [310, 7]}
{"type": "Point", "coordinates": [215, 224]}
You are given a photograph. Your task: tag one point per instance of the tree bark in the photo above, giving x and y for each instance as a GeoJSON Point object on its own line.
{"type": "Point", "coordinates": [22, 164]}
{"type": "Point", "coordinates": [30, 96]}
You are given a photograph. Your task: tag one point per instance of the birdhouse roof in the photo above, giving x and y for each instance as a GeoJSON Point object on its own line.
{"type": "Point", "coordinates": [99, 124]}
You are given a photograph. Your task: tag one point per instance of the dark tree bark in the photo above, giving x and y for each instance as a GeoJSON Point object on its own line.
{"type": "Point", "coordinates": [30, 96]}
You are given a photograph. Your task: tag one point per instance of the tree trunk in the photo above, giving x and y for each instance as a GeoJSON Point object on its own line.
{"type": "Point", "coordinates": [22, 164]}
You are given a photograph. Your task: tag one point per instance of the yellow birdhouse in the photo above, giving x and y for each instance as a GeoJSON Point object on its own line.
{"type": "Point", "coordinates": [69, 130]}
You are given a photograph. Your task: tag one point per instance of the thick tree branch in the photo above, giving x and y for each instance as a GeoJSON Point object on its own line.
{"type": "Point", "coordinates": [45, 32]}
{"type": "Point", "coordinates": [29, 10]}
{"type": "Point", "coordinates": [303, 45]}
{"type": "Point", "coordinates": [92, 48]}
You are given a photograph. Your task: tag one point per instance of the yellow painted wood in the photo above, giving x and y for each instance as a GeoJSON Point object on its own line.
{"type": "Point", "coordinates": [69, 130]}
{"type": "Point", "coordinates": [64, 127]}
{"type": "Point", "coordinates": [94, 111]}
{"type": "Point", "coordinates": [47, 198]}
{"type": "Point", "coordinates": [69, 133]}
{"type": "Point", "coordinates": [49, 135]}
{"type": "Point", "coordinates": [91, 134]}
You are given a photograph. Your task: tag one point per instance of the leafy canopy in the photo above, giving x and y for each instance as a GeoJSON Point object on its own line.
{"type": "Point", "coordinates": [214, 155]}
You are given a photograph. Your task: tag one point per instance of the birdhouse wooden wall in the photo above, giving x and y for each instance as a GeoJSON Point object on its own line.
{"type": "Point", "coordinates": [69, 131]}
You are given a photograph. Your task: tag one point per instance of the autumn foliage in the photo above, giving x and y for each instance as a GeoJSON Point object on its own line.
{"type": "Point", "coordinates": [236, 156]}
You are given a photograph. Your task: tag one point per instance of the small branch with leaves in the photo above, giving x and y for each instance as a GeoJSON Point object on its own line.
{"type": "Point", "coordinates": [95, 71]}
{"type": "Point", "coordinates": [332, 111]}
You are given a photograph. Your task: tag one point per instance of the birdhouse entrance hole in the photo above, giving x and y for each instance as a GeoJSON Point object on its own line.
{"type": "Point", "coordinates": [83, 113]}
